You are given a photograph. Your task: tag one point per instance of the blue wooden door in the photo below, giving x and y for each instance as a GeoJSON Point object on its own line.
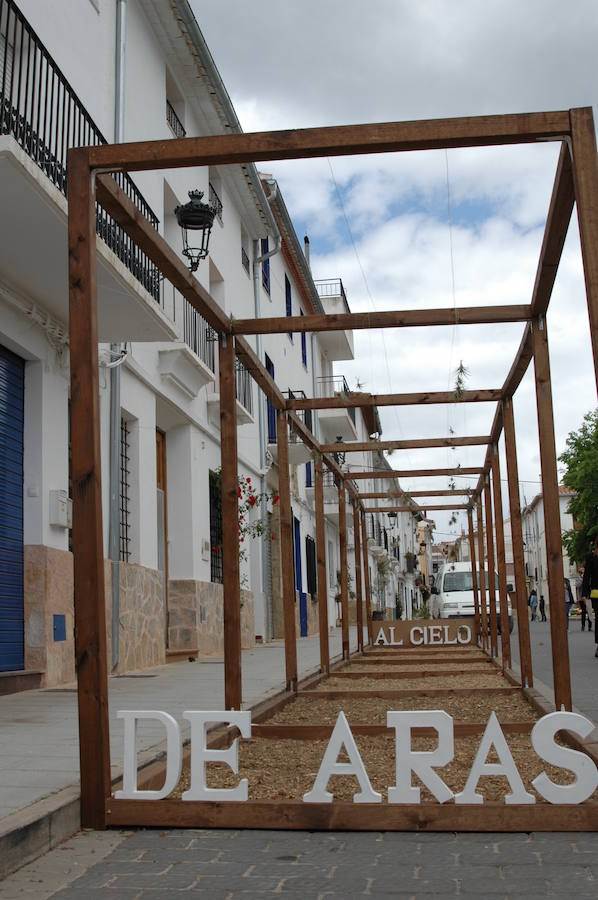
{"type": "Point", "coordinates": [299, 580]}
{"type": "Point", "coordinates": [12, 385]}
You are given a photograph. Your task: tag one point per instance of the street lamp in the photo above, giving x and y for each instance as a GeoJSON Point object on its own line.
{"type": "Point", "coordinates": [392, 516]}
{"type": "Point", "coordinates": [199, 217]}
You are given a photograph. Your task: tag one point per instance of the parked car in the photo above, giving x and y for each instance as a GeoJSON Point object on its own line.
{"type": "Point", "coordinates": [452, 594]}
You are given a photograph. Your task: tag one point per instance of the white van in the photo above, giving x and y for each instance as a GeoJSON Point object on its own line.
{"type": "Point", "coordinates": [452, 593]}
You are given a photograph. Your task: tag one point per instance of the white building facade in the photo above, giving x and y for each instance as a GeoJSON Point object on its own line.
{"type": "Point", "coordinates": [534, 539]}
{"type": "Point", "coordinates": [159, 400]}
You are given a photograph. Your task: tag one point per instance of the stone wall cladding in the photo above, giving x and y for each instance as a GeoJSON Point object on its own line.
{"type": "Point", "coordinates": [196, 617]}
{"type": "Point", "coordinates": [142, 628]}
{"type": "Point", "coordinates": [313, 622]}
{"type": "Point", "coordinates": [48, 591]}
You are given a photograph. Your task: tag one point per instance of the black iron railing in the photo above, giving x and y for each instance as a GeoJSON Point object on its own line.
{"type": "Point", "coordinates": [244, 259]}
{"type": "Point", "coordinates": [198, 335]}
{"type": "Point", "coordinates": [305, 415]}
{"type": "Point", "coordinates": [40, 109]}
{"type": "Point", "coordinates": [332, 287]}
{"type": "Point", "coordinates": [174, 123]}
{"type": "Point", "coordinates": [244, 387]}
{"type": "Point", "coordinates": [216, 202]}
{"type": "Point", "coordinates": [336, 386]}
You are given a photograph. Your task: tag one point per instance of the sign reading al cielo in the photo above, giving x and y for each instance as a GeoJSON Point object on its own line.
{"type": "Point", "coordinates": [426, 633]}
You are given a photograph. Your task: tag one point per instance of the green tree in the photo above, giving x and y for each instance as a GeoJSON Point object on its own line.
{"type": "Point", "coordinates": [581, 475]}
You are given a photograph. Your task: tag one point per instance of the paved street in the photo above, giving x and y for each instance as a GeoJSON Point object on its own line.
{"type": "Point", "coordinates": [225, 865]}
{"type": "Point", "coordinates": [584, 665]}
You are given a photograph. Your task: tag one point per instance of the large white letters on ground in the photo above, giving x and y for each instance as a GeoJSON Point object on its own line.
{"type": "Point", "coordinates": [342, 737]}
{"type": "Point", "coordinates": [200, 755]}
{"type": "Point", "coordinates": [582, 766]}
{"type": "Point", "coordinates": [420, 762]}
{"type": "Point", "coordinates": [494, 737]}
{"type": "Point", "coordinates": [382, 639]}
{"type": "Point", "coordinates": [173, 754]}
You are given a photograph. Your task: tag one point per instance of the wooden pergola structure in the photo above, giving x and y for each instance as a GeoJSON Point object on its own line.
{"type": "Point", "coordinates": [89, 169]}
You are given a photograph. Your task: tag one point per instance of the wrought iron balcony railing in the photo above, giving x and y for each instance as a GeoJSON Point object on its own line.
{"type": "Point", "coordinates": [174, 123]}
{"type": "Point", "coordinates": [216, 202]}
{"type": "Point", "coordinates": [244, 387]}
{"type": "Point", "coordinates": [335, 386]}
{"type": "Point", "coordinates": [40, 109]}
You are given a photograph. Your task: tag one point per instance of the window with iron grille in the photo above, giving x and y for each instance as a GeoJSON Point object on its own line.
{"type": "Point", "coordinates": [288, 299]}
{"type": "Point", "coordinates": [215, 528]}
{"type": "Point", "coordinates": [308, 475]}
{"type": "Point", "coordinates": [265, 266]}
{"type": "Point", "coordinates": [310, 556]}
{"type": "Point", "coordinates": [125, 486]}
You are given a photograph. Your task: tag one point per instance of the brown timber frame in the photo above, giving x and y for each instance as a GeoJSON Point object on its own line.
{"type": "Point", "coordinates": [576, 182]}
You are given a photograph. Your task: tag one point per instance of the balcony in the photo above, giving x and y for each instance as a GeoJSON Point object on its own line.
{"type": "Point", "coordinates": [330, 493]}
{"type": "Point", "coordinates": [337, 422]}
{"type": "Point", "coordinates": [41, 118]}
{"type": "Point", "coordinates": [244, 392]}
{"type": "Point", "coordinates": [337, 344]}
{"type": "Point", "coordinates": [299, 453]}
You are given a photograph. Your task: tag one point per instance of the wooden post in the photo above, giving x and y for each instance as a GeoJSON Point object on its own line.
{"type": "Point", "coordinates": [474, 574]}
{"type": "Point", "coordinates": [482, 577]}
{"type": "Point", "coordinates": [585, 179]}
{"type": "Point", "coordinates": [552, 517]}
{"type": "Point", "coordinates": [287, 550]}
{"type": "Point", "coordinates": [491, 567]}
{"type": "Point", "coordinates": [231, 577]}
{"type": "Point", "coordinates": [88, 545]}
{"type": "Point", "coordinates": [358, 590]}
{"type": "Point", "coordinates": [321, 556]}
{"type": "Point", "coordinates": [342, 537]}
{"type": "Point", "coordinates": [525, 650]}
{"type": "Point", "coordinates": [505, 636]}
{"type": "Point", "coordinates": [366, 580]}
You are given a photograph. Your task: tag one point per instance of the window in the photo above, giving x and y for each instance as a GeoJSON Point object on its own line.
{"type": "Point", "coordinates": [308, 475]}
{"type": "Point", "coordinates": [310, 556]}
{"type": "Point", "coordinates": [288, 300]}
{"type": "Point", "coordinates": [270, 408]}
{"type": "Point", "coordinates": [304, 346]}
{"type": "Point", "coordinates": [215, 528]}
{"type": "Point", "coordinates": [265, 267]}
{"type": "Point", "coordinates": [124, 486]}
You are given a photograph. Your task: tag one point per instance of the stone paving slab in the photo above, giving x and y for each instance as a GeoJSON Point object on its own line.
{"type": "Point", "coordinates": [159, 865]}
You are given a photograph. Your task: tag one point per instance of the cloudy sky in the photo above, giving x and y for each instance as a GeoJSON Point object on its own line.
{"type": "Point", "coordinates": [462, 227]}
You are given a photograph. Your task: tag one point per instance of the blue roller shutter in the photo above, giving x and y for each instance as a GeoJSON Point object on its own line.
{"type": "Point", "coordinates": [12, 385]}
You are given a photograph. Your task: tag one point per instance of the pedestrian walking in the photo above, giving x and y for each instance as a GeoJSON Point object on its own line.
{"type": "Point", "coordinates": [589, 586]}
{"type": "Point", "coordinates": [542, 608]}
{"type": "Point", "coordinates": [533, 605]}
{"type": "Point", "coordinates": [585, 612]}
{"type": "Point", "coordinates": [569, 599]}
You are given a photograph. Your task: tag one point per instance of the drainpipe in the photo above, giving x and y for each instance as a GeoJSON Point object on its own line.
{"type": "Point", "coordinates": [114, 511]}
{"type": "Point", "coordinates": [312, 342]}
{"type": "Point", "coordinates": [257, 261]}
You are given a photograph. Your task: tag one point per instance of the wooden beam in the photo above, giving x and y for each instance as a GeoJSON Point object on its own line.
{"type": "Point", "coordinates": [491, 567]}
{"type": "Point", "coordinates": [412, 399]}
{"type": "Point", "coordinates": [557, 225]}
{"type": "Point", "coordinates": [125, 213]}
{"type": "Point", "coordinates": [342, 537]}
{"type": "Point", "coordinates": [321, 562]}
{"type": "Point", "coordinates": [310, 441]}
{"type": "Point", "coordinates": [525, 650]}
{"type": "Point", "coordinates": [366, 580]}
{"type": "Point", "coordinates": [474, 574]}
{"type": "Point", "coordinates": [552, 518]}
{"type": "Point", "coordinates": [397, 495]}
{"type": "Point", "coordinates": [505, 636]}
{"type": "Point", "coordinates": [337, 140]}
{"type": "Point", "coordinates": [519, 367]}
{"type": "Point", "coordinates": [415, 508]}
{"type": "Point", "coordinates": [88, 544]}
{"type": "Point", "coordinates": [286, 551]}
{"type": "Point", "coordinates": [379, 474]}
{"type": "Point", "coordinates": [482, 575]}
{"type": "Point", "coordinates": [424, 443]}
{"type": "Point", "coordinates": [230, 524]}
{"type": "Point", "coordinates": [585, 174]}
{"type": "Point", "coordinates": [247, 355]}
{"type": "Point", "coordinates": [358, 590]}
{"type": "Point", "coordinates": [406, 318]}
